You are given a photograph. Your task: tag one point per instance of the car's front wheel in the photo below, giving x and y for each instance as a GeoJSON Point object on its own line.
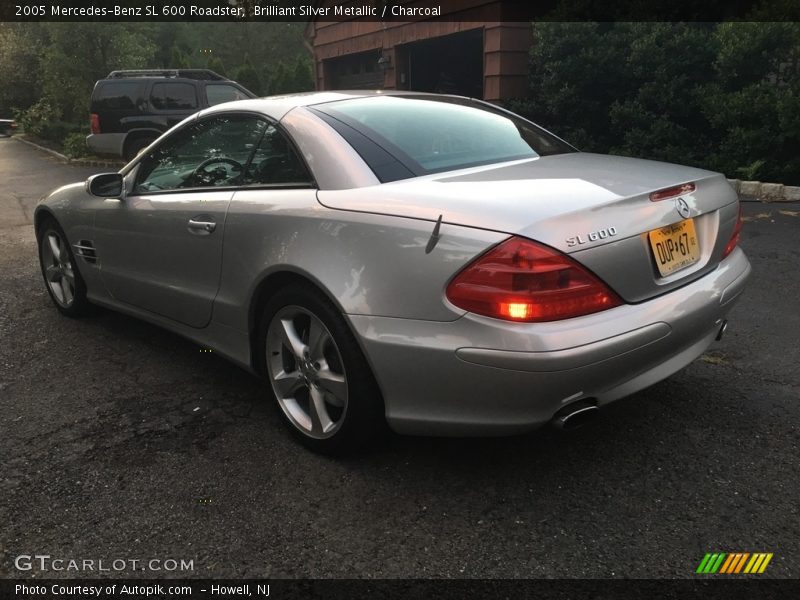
{"type": "Point", "coordinates": [61, 276]}
{"type": "Point", "coordinates": [318, 374]}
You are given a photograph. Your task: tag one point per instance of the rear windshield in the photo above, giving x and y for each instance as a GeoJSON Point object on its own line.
{"type": "Point", "coordinates": [428, 135]}
{"type": "Point", "coordinates": [217, 93]}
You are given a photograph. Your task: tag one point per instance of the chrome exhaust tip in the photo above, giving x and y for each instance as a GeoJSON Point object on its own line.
{"type": "Point", "coordinates": [722, 329]}
{"type": "Point", "coordinates": [575, 415]}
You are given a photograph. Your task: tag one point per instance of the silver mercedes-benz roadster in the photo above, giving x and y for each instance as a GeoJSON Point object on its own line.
{"type": "Point", "coordinates": [433, 263]}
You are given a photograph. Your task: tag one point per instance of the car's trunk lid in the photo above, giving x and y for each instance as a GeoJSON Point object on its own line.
{"type": "Point", "coordinates": [594, 207]}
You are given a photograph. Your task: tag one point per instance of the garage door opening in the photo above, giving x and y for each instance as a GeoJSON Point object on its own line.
{"type": "Point", "coordinates": [451, 64]}
{"type": "Point", "coordinates": [354, 72]}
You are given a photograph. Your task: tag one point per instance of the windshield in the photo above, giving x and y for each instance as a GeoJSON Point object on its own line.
{"type": "Point", "coordinates": [429, 134]}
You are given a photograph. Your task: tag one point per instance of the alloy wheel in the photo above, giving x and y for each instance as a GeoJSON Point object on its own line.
{"type": "Point", "coordinates": [58, 270]}
{"type": "Point", "coordinates": [306, 371]}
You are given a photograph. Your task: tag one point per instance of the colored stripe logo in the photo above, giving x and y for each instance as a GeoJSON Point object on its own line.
{"type": "Point", "coordinates": [734, 563]}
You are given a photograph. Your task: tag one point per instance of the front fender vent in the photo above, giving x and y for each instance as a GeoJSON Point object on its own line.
{"type": "Point", "coordinates": [85, 249]}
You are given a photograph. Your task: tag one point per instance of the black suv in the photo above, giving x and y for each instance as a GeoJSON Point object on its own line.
{"type": "Point", "coordinates": [130, 109]}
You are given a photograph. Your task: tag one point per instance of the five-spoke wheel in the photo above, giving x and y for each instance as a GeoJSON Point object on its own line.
{"type": "Point", "coordinates": [64, 283]}
{"type": "Point", "coordinates": [318, 374]}
{"type": "Point", "coordinates": [306, 372]}
{"type": "Point", "coordinates": [58, 271]}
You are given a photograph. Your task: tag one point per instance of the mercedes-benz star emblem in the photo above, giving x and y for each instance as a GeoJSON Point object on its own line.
{"type": "Point", "coordinates": [683, 208]}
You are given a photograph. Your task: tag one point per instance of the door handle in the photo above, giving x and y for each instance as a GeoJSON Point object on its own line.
{"type": "Point", "coordinates": [202, 226]}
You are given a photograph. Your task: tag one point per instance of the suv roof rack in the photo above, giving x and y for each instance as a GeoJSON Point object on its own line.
{"type": "Point", "coordinates": [185, 73]}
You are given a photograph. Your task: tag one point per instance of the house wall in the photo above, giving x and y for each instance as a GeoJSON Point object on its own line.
{"type": "Point", "coordinates": [505, 56]}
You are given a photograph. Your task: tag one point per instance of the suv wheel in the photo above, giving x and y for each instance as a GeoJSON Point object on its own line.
{"type": "Point", "coordinates": [135, 146]}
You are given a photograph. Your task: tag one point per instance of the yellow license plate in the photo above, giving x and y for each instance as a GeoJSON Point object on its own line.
{"type": "Point", "coordinates": [675, 247]}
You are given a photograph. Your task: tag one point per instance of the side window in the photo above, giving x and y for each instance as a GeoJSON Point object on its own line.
{"type": "Point", "coordinates": [217, 93]}
{"type": "Point", "coordinates": [211, 153]}
{"type": "Point", "coordinates": [276, 162]}
{"type": "Point", "coordinates": [116, 96]}
{"type": "Point", "coordinates": [173, 96]}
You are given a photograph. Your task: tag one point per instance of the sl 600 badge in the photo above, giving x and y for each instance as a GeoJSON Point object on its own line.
{"type": "Point", "coordinates": [592, 236]}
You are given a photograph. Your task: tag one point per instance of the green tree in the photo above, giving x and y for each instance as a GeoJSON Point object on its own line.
{"type": "Point", "coordinates": [753, 102]}
{"type": "Point", "coordinates": [660, 116]}
{"type": "Point", "coordinates": [165, 38]}
{"type": "Point", "coordinates": [49, 69]}
{"type": "Point", "coordinates": [20, 45]}
{"type": "Point", "coordinates": [277, 82]}
{"type": "Point", "coordinates": [720, 96]}
{"type": "Point", "coordinates": [248, 76]}
{"type": "Point", "coordinates": [78, 54]}
{"type": "Point", "coordinates": [178, 60]}
{"type": "Point", "coordinates": [577, 72]}
{"type": "Point", "coordinates": [303, 76]}
{"type": "Point", "coordinates": [216, 65]}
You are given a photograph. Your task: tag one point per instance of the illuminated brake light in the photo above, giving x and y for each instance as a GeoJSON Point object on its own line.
{"type": "Point", "coordinates": [672, 192]}
{"type": "Point", "coordinates": [737, 230]}
{"type": "Point", "coordinates": [521, 280]}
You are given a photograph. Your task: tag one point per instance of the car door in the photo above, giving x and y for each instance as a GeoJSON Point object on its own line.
{"type": "Point", "coordinates": [160, 247]}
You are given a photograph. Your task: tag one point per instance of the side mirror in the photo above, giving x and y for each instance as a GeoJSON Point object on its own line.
{"type": "Point", "coordinates": [105, 185]}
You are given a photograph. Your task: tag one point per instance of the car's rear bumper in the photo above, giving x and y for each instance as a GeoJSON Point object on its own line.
{"type": "Point", "coordinates": [106, 143]}
{"type": "Point", "coordinates": [481, 376]}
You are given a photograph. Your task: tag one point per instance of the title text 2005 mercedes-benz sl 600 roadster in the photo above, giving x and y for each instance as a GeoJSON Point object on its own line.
{"type": "Point", "coordinates": [433, 263]}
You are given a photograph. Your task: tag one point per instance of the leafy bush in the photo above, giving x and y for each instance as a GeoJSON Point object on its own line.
{"type": "Point", "coordinates": [37, 119]}
{"type": "Point", "coordinates": [57, 131]}
{"type": "Point", "coordinates": [720, 96]}
{"type": "Point", "coordinates": [753, 103]}
{"type": "Point", "coordinates": [75, 145]}
{"type": "Point", "coordinates": [42, 120]}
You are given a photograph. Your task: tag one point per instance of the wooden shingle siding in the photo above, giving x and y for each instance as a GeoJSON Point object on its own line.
{"type": "Point", "coordinates": [506, 46]}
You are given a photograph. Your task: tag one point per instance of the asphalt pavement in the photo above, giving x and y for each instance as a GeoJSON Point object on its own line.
{"type": "Point", "coordinates": [122, 441]}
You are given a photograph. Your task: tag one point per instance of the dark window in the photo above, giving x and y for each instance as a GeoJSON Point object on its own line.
{"type": "Point", "coordinates": [276, 162]}
{"type": "Point", "coordinates": [219, 93]}
{"type": "Point", "coordinates": [429, 135]}
{"type": "Point", "coordinates": [173, 96]}
{"type": "Point", "coordinates": [117, 96]}
{"type": "Point", "coordinates": [212, 153]}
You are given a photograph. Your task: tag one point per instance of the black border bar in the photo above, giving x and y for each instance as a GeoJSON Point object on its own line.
{"type": "Point", "coordinates": [392, 10]}
{"type": "Point", "coordinates": [744, 588]}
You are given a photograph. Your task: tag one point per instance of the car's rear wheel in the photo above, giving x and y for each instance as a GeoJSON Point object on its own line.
{"type": "Point", "coordinates": [61, 276]}
{"type": "Point", "coordinates": [318, 374]}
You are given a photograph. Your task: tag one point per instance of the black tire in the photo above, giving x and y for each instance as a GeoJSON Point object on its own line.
{"type": "Point", "coordinates": [77, 305]}
{"type": "Point", "coordinates": [135, 146]}
{"type": "Point", "coordinates": [362, 420]}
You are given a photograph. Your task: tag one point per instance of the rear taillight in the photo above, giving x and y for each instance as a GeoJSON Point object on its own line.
{"type": "Point", "coordinates": [95, 123]}
{"type": "Point", "coordinates": [520, 280]}
{"type": "Point", "coordinates": [737, 230]}
{"type": "Point", "coordinates": [686, 188]}
{"type": "Point", "coordinates": [13, 125]}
